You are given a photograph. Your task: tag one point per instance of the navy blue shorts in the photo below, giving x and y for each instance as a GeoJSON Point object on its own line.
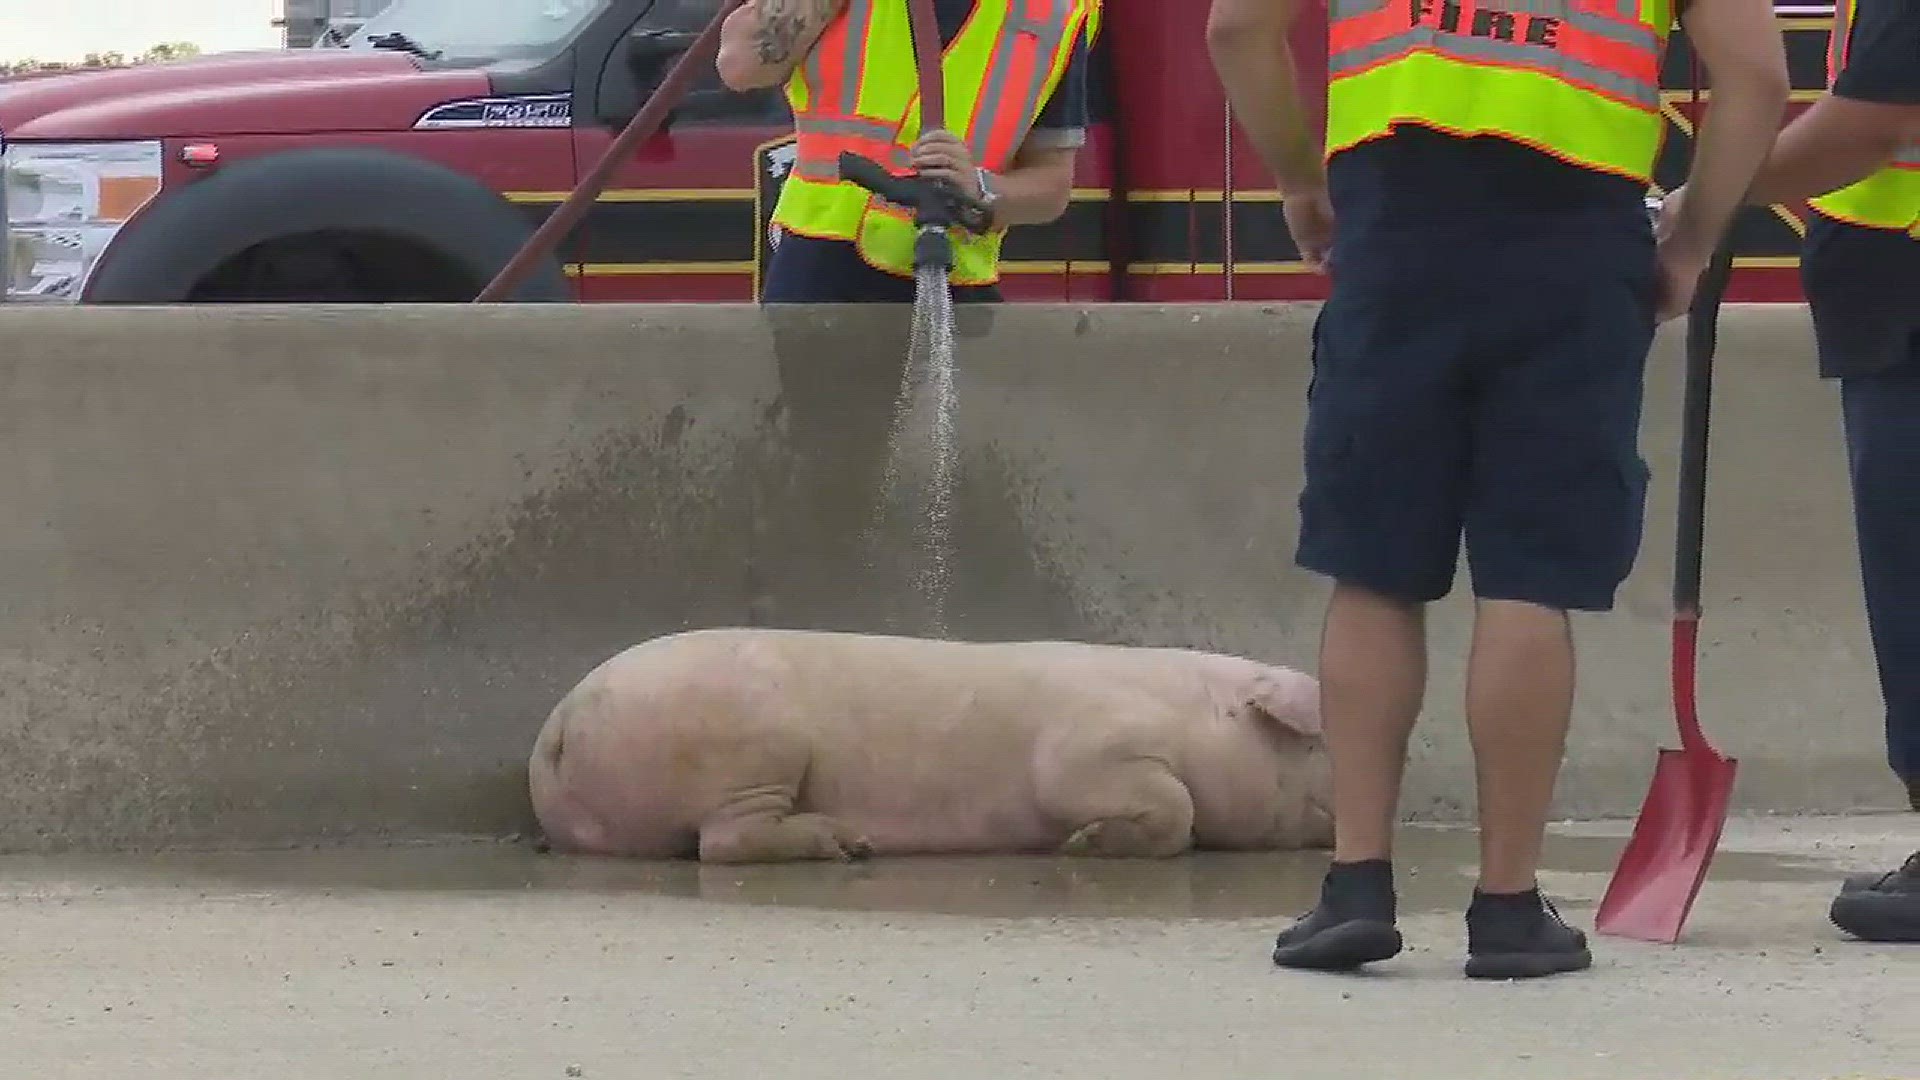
{"type": "Point", "coordinates": [1491, 388]}
{"type": "Point", "coordinates": [808, 270]}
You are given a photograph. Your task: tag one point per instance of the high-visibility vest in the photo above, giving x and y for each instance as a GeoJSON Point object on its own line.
{"type": "Point", "coordinates": [1890, 198]}
{"type": "Point", "coordinates": [859, 90]}
{"type": "Point", "coordinates": [1577, 79]}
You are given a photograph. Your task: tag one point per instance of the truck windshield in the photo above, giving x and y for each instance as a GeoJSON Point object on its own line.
{"type": "Point", "coordinates": [476, 29]}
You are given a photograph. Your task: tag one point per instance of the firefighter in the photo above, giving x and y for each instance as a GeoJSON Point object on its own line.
{"type": "Point", "coordinates": [1479, 204]}
{"type": "Point", "coordinates": [1015, 73]}
{"type": "Point", "coordinates": [1856, 155]}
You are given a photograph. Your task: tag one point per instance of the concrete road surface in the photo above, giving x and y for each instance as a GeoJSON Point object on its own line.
{"type": "Point", "coordinates": [483, 960]}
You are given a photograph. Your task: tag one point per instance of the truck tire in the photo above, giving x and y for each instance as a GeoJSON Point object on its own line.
{"type": "Point", "coordinates": [184, 237]}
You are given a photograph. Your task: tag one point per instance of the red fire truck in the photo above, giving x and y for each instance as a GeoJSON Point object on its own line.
{"type": "Point", "coordinates": [408, 162]}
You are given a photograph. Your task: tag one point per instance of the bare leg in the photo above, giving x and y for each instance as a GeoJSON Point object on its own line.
{"type": "Point", "coordinates": [1373, 674]}
{"type": "Point", "coordinates": [1519, 702]}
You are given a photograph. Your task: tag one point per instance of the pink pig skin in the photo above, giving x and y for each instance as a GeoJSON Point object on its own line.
{"type": "Point", "coordinates": [759, 745]}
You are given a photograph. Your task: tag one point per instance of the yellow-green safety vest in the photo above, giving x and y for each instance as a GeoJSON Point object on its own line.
{"type": "Point", "coordinates": [1576, 79]}
{"type": "Point", "coordinates": [1890, 198]}
{"type": "Point", "coordinates": [858, 90]}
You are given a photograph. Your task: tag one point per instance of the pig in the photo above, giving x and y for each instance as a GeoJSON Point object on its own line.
{"type": "Point", "coordinates": [738, 745]}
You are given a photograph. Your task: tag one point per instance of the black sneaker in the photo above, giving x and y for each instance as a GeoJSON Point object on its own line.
{"type": "Point", "coordinates": [1883, 908]}
{"type": "Point", "coordinates": [1352, 925]}
{"type": "Point", "coordinates": [1859, 882]}
{"type": "Point", "coordinates": [1521, 936]}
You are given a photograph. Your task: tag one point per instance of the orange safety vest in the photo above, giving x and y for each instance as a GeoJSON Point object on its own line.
{"type": "Point", "coordinates": [1577, 79]}
{"type": "Point", "coordinates": [859, 91]}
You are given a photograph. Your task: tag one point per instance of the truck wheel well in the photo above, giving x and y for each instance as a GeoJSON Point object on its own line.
{"type": "Point", "coordinates": [338, 266]}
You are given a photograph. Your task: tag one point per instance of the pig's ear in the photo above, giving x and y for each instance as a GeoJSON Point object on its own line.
{"type": "Point", "coordinates": [1290, 698]}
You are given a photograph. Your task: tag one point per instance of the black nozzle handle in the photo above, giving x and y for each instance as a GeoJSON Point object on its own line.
{"type": "Point", "coordinates": [870, 174]}
{"type": "Point", "coordinates": [935, 204]}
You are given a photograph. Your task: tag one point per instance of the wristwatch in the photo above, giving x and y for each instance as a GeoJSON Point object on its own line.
{"type": "Point", "coordinates": [988, 196]}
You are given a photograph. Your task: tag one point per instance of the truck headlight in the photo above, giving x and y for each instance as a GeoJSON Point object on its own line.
{"type": "Point", "coordinates": [64, 203]}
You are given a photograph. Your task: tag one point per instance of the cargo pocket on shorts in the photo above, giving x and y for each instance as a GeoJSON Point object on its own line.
{"type": "Point", "coordinates": [1620, 520]}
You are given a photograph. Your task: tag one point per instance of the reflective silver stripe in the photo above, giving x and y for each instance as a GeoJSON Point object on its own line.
{"type": "Point", "coordinates": [1048, 31]}
{"type": "Point", "coordinates": [1468, 47]}
{"type": "Point", "coordinates": [1908, 157]}
{"type": "Point", "coordinates": [1842, 27]}
{"type": "Point", "coordinates": [988, 103]}
{"type": "Point", "coordinates": [814, 76]}
{"type": "Point", "coordinates": [1628, 10]}
{"type": "Point", "coordinates": [859, 13]}
{"type": "Point", "coordinates": [897, 157]}
{"type": "Point", "coordinates": [820, 172]}
{"type": "Point", "coordinates": [1635, 34]}
{"type": "Point", "coordinates": [859, 27]}
{"type": "Point", "coordinates": [1049, 34]}
{"type": "Point", "coordinates": [857, 129]}
{"type": "Point", "coordinates": [826, 168]}
{"type": "Point", "coordinates": [1559, 9]}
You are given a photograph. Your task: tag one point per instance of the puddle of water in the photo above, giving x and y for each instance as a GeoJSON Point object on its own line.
{"type": "Point", "coordinates": [1435, 869]}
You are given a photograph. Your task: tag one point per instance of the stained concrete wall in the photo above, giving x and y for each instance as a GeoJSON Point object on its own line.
{"type": "Point", "coordinates": [274, 574]}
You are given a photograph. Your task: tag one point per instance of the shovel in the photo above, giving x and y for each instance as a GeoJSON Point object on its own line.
{"type": "Point", "coordinates": [1665, 861]}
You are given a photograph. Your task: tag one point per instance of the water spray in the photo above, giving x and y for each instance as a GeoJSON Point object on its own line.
{"type": "Point", "coordinates": [938, 208]}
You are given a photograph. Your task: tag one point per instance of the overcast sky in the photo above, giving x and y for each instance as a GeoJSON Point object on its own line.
{"type": "Point", "coordinates": [69, 29]}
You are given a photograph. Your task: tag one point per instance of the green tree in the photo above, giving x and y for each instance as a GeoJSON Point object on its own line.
{"type": "Point", "coordinates": [169, 50]}
{"type": "Point", "coordinates": [165, 51]}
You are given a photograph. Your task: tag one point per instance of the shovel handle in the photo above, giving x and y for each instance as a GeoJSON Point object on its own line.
{"type": "Point", "coordinates": [1695, 424]}
{"type": "Point", "coordinates": [1697, 409]}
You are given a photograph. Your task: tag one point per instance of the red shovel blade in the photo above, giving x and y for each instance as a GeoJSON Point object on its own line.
{"type": "Point", "coordinates": [1666, 859]}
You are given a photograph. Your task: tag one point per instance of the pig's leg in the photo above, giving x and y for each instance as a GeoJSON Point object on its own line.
{"type": "Point", "coordinates": [758, 832]}
{"type": "Point", "coordinates": [1118, 807]}
{"type": "Point", "coordinates": [763, 767]}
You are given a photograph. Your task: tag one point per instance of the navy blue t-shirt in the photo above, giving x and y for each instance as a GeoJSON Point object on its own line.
{"type": "Point", "coordinates": [1424, 208]}
{"type": "Point", "coordinates": [1861, 283]}
{"type": "Point", "coordinates": [809, 270]}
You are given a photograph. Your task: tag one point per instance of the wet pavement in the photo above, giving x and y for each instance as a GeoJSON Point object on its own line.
{"type": "Point", "coordinates": [486, 959]}
{"type": "Point", "coordinates": [1435, 865]}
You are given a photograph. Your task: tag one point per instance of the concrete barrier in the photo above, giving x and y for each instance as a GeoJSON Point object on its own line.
{"type": "Point", "coordinates": [277, 574]}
